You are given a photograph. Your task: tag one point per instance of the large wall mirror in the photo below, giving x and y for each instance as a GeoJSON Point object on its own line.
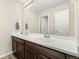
{"type": "Point", "coordinates": [52, 17]}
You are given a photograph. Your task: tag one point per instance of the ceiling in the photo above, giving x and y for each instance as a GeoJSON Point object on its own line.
{"type": "Point", "coordinates": [23, 1]}
{"type": "Point", "coordinates": [41, 5]}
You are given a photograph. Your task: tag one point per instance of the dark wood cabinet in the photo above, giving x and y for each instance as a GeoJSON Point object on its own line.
{"type": "Point", "coordinates": [43, 52]}
{"type": "Point", "coordinates": [14, 47]}
{"type": "Point", "coordinates": [40, 56]}
{"type": "Point", "coordinates": [29, 53]}
{"type": "Point", "coordinates": [20, 51]}
{"type": "Point", "coordinates": [18, 47]}
{"type": "Point", "coordinates": [27, 50]}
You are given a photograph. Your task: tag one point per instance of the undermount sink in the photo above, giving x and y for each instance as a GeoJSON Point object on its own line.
{"type": "Point", "coordinates": [46, 40]}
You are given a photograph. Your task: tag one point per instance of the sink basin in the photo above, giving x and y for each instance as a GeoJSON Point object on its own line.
{"type": "Point", "coordinates": [46, 40]}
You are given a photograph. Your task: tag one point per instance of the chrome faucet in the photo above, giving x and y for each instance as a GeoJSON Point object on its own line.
{"type": "Point", "coordinates": [46, 36]}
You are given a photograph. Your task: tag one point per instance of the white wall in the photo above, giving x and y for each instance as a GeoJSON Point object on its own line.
{"type": "Point", "coordinates": [10, 12]}
{"type": "Point", "coordinates": [16, 16]}
{"type": "Point", "coordinates": [72, 21]}
{"type": "Point", "coordinates": [76, 14]}
{"type": "Point", "coordinates": [51, 15]}
{"type": "Point", "coordinates": [31, 18]}
{"type": "Point", "coordinates": [5, 41]}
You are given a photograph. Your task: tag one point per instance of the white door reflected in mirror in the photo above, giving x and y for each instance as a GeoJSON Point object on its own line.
{"type": "Point", "coordinates": [44, 24]}
{"type": "Point", "coordinates": [62, 22]}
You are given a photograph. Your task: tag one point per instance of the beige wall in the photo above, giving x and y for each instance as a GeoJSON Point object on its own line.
{"type": "Point", "coordinates": [31, 18]}
{"type": "Point", "coordinates": [77, 21]}
{"type": "Point", "coordinates": [5, 24]}
{"type": "Point", "coordinates": [76, 14]}
{"type": "Point", "coordinates": [17, 16]}
{"type": "Point", "coordinates": [10, 12]}
{"type": "Point", "coordinates": [72, 21]}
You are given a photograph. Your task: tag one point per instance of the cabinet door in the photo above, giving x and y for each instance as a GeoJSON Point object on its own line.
{"type": "Point", "coordinates": [29, 53]}
{"type": "Point", "coordinates": [20, 50]}
{"type": "Point", "coordinates": [71, 57]}
{"type": "Point", "coordinates": [14, 46]}
{"type": "Point", "coordinates": [40, 56]}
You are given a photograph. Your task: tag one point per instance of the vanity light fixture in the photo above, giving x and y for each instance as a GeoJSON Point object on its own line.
{"type": "Point", "coordinates": [28, 3]}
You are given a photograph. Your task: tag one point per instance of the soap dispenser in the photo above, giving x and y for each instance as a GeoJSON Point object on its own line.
{"type": "Point", "coordinates": [17, 26]}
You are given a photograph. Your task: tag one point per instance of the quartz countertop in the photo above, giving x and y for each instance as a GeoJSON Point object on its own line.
{"type": "Point", "coordinates": [66, 45]}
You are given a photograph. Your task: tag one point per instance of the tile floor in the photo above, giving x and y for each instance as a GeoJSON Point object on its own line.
{"type": "Point", "coordinates": [9, 57]}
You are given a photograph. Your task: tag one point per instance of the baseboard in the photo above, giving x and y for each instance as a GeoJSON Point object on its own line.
{"type": "Point", "coordinates": [6, 54]}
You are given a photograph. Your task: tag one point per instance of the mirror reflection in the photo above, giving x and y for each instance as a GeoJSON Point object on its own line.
{"type": "Point", "coordinates": [48, 17]}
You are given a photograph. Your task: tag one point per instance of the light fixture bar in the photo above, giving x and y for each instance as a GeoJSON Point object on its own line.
{"type": "Point", "coordinates": [28, 3]}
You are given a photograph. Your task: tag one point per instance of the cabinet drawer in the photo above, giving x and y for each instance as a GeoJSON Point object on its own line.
{"type": "Point", "coordinates": [18, 40]}
{"type": "Point", "coordinates": [45, 51]}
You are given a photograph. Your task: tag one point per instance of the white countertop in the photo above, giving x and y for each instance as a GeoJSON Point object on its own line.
{"type": "Point", "coordinates": [66, 45]}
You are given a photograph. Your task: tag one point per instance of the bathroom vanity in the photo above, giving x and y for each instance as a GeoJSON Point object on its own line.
{"type": "Point", "coordinates": [25, 49]}
{"type": "Point", "coordinates": [47, 31]}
